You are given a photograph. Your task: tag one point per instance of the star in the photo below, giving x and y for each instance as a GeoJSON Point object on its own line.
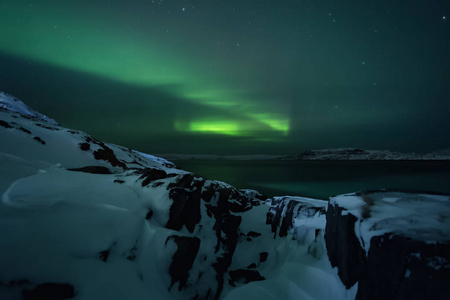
{"type": "Point", "coordinates": [444, 18]}
{"type": "Point", "coordinates": [183, 9]}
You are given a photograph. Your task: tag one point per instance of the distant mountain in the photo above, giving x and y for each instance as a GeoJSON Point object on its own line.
{"type": "Point", "coordinates": [220, 157]}
{"type": "Point", "coordinates": [360, 154]}
{"type": "Point", "coordinates": [324, 154]}
{"type": "Point", "coordinates": [85, 219]}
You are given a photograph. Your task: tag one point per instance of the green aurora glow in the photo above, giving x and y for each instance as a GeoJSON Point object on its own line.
{"type": "Point", "coordinates": [234, 77]}
{"type": "Point", "coordinates": [52, 33]}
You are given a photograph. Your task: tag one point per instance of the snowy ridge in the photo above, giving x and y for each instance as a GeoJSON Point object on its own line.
{"type": "Point", "coordinates": [417, 216]}
{"type": "Point", "coordinates": [11, 103]}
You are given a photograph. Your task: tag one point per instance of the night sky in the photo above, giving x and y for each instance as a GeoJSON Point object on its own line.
{"type": "Point", "coordinates": [237, 76]}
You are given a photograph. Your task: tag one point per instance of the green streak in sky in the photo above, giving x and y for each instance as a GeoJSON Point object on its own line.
{"type": "Point", "coordinates": [222, 127]}
{"type": "Point", "coordinates": [94, 42]}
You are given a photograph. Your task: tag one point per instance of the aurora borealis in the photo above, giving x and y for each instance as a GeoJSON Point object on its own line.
{"type": "Point", "coordinates": [235, 77]}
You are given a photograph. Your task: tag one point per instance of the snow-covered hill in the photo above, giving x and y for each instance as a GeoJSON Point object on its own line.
{"type": "Point", "coordinates": [84, 219]}
{"type": "Point", "coordinates": [360, 154]}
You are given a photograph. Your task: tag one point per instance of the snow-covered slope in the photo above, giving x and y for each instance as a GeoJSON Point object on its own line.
{"type": "Point", "coordinates": [84, 219]}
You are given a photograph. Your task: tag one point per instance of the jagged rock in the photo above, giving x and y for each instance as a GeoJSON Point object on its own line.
{"type": "Point", "coordinates": [263, 256]}
{"type": "Point", "coordinates": [185, 209]}
{"type": "Point", "coordinates": [344, 250]}
{"type": "Point", "coordinates": [405, 257]}
{"type": "Point", "coordinates": [36, 138]}
{"type": "Point", "coordinates": [47, 127]}
{"type": "Point", "coordinates": [152, 174]}
{"type": "Point", "coordinates": [283, 211]}
{"type": "Point", "coordinates": [107, 154]}
{"type": "Point", "coordinates": [104, 153]}
{"type": "Point", "coordinates": [24, 130]}
{"type": "Point", "coordinates": [5, 124]}
{"type": "Point", "coordinates": [186, 195]}
{"type": "Point", "coordinates": [103, 255]}
{"type": "Point", "coordinates": [85, 146]}
{"type": "Point", "coordinates": [183, 259]}
{"type": "Point", "coordinates": [252, 266]}
{"type": "Point", "coordinates": [149, 214]}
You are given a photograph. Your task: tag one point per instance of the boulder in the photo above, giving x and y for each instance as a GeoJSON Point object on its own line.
{"type": "Point", "coordinates": [395, 245]}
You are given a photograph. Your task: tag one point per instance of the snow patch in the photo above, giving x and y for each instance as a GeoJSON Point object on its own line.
{"type": "Point", "coordinates": [418, 216]}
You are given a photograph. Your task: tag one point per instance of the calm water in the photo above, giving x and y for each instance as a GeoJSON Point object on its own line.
{"type": "Point", "coordinates": [321, 179]}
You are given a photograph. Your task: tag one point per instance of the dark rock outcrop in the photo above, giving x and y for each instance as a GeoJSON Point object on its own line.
{"type": "Point", "coordinates": [263, 256]}
{"type": "Point", "coordinates": [108, 154]}
{"type": "Point", "coordinates": [24, 130]}
{"type": "Point", "coordinates": [85, 146]}
{"type": "Point", "coordinates": [185, 193]}
{"type": "Point", "coordinates": [104, 153]}
{"type": "Point", "coordinates": [151, 174]}
{"type": "Point", "coordinates": [183, 259]}
{"type": "Point", "coordinates": [395, 266]}
{"type": "Point", "coordinates": [344, 250]}
{"type": "Point", "coordinates": [190, 195]}
{"type": "Point", "coordinates": [50, 291]}
{"type": "Point", "coordinates": [5, 124]}
{"type": "Point", "coordinates": [47, 127]}
{"type": "Point", "coordinates": [284, 210]}
{"type": "Point", "coordinates": [92, 170]}
{"type": "Point", "coordinates": [405, 269]}
{"type": "Point", "coordinates": [36, 138]}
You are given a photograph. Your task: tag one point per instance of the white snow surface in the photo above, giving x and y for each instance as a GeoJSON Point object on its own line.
{"type": "Point", "coordinates": [422, 217]}
{"type": "Point", "coordinates": [54, 223]}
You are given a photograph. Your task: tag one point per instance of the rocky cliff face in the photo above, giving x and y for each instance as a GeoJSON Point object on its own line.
{"type": "Point", "coordinates": [302, 219]}
{"type": "Point", "coordinates": [394, 245]}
